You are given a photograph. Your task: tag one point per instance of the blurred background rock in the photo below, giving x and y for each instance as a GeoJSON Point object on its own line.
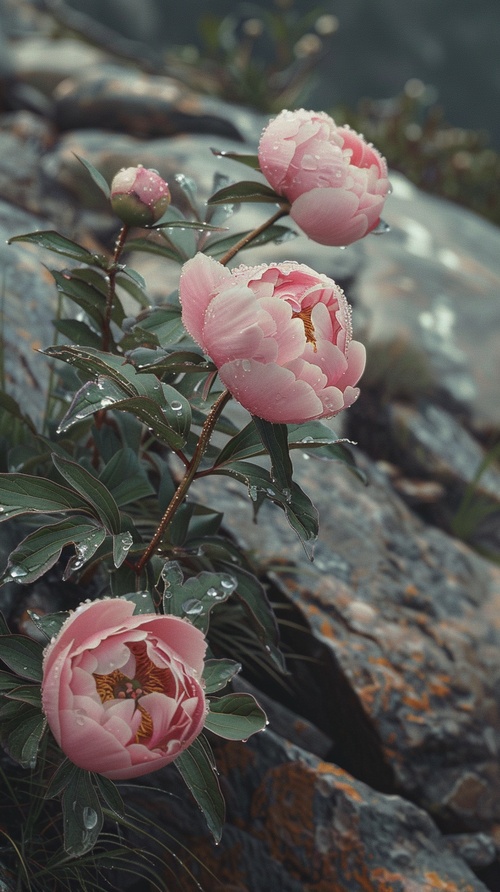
{"type": "Point", "coordinates": [453, 45]}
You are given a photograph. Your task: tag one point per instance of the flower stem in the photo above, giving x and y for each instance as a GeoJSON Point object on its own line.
{"type": "Point", "coordinates": [282, 212]}
{"type": "Point", "coordinates": [180, 493]}
{"type": "Point", "coordinates": [111, 276]}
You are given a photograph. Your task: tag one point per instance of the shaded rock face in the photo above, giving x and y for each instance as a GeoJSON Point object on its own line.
{"type": "Point", "coordinates": [387, 733]}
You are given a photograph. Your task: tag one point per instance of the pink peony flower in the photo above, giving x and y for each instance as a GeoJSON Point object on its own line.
{"type": "Point", "coordinates": [139, 197]}
{"type": "Point", "coordinates": [335, 182]}
{"type": "Point", "coordinates": [280, 336]}
{"type": "Point", "coordinates": [122, 693]}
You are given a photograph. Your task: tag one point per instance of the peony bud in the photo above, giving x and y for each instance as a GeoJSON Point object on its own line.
{"type": "Point", "coordinates": [139, 197]}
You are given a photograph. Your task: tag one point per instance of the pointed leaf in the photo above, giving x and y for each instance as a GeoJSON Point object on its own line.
{"type": "Point", "coordinates": [109, 792]}
{"type": "Point", "coordinates": [126, 478]}
{"type": "Point", "coordinates": [39, 551]}
{"type": "Point", "coordinates": [24, 494]}
{"type": "Point", "coordinates": [275, 233]}
{"type": "Point", "coordinates": [23, 655]}
{"type": "Point", "coordinates": [60, 245]}
{"type": "Point", "coordinates": [143, 602]}
{"type": "Point", "coordinates": [23, 741]}
{"type": "Point", "coordinates": [92, 490]}
{"type": "Point", "coordinates": [197, 768]}
{"type": "Point", "coordinates": [195, 598]}
{"type": "Point", "coordinates": [300, 512]}
{"type": "Point", "coordinates": [148, 246]}
{"type": "Point", "coordinates": [218, 673]}
{"type": "Point", "coordinates": [252, 594]}
{"type": "Point", "coordinates": [275, 439]}
{"type": "Point", "coordinates": [50, 624]}
{"type": "Point", "coordinates": [250, 160]}
{"type": "Point", "coordinates": [246, 191]}
{"type": "Point", "coordinates": [82, 813]}
{"type": "Point", "coordinates": [235, 717]}
{"type": "Point", "coordinates": [27, 693]}
{"type": "Point", "coordinates": [96, 176]}
{"type": "Point", "coordinates": [122, 543]}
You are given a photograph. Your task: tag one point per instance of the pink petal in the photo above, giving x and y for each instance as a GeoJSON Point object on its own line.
{"type": "Point", "coordinates": [183, 639]}
{"type": "Point", "coordinates": [200, 278]}
{"type": "Point", "coordinates": [356, 361]}
{"type": "Point", "coordinates": [271, 392]}
{"type": "Point", "coordinates": [329, 216]}
{"type": "Point", "coordinates": [231, 328]}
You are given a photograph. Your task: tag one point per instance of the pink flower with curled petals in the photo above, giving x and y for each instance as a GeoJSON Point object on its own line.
{"type": "Point", "coordinates": [280, 336]}
{"type": "Point", "coordinates": [123, 694]}
{"type": "Point", "coordinates": [335, 181]}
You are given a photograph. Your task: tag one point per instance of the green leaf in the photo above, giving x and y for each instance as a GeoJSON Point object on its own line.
{"type": "Point", "coordinates": [148, 246]}
{"type": "Point", "coordinates": [143, 602]}
{"type": "Point", "coordinates": [60, 245]}
{"type": "Point", "coordinates": [22, 655]}
{"type": "Point", "coordinates": [50, 624]}
{"type": "Point", "coordinates": [110, 794]}
{"type": "Point", "coordinates": [250, 160]}
{"type": "Point", "coordinates": [197, 768]}
{"type": "Point", "coordinates": [27, 693]}
{"type": "Point", "coordinates": [235, 717]}
{"type": "Point", "coordinates": [23, 741]}
{"type": "Point", "coordinates": [275, 439]}
{"type": "Point", "coordinates": [125, 477]}
{"type": "Point", "coordinates": [92, 490]}
{"type": "Point", "coordinates": [252, 595]}
{"type": "Point", "coordinates": [299, 510]}
{"type": "Point", "coordinates": [96, 176]}
{"type": "Point", "coordinates": [24, 494]}
{"type": "Point", "coordinates": [162, 325]}
{"type": "Point", "coordinates": [122, 543]}
{"type": "Point", "coordinates": [39, 551]}
{"type": "Point", "coordinates": [218, 673]}
{"type": "Point", "coordinates": [166, 424]}
{"type": "Point", "coordinates": [275, 233]}
{"type": "Point", "coordinates": [9, 406]}
{"type": "Point", "coordinates": [78, 332]}
{"type": "Point", "coordinates": [8, 682]}
{"type": "Point", "coordinates": [195, 598]}
{"type": "Point", "coordinates": [245, 444]}
{"type": "Point", "coordinates": [133, 283]}
{"type": "Point", "coordinates": [246, 191]}
{"type": "Point", "coordinates": [188, 224]}
{"type": "Point", "coordinates": [82, 813]}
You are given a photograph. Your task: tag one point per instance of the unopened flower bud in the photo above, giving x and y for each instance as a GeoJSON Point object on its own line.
{"type": "Point", "coordinates": [139, 197]}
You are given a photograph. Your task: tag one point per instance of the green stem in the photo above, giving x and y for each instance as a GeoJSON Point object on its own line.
{"type": "Point", "coordinates": [282, 212]}
{"type": "Point", "coordinates": [110, 298]}
{"type": "Point", "coordinates": [180, 493]}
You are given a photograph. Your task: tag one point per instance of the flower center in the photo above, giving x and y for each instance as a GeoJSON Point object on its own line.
{"type": "Point", "coordinates": [305, 315]}
{"type": "Point", "coordinates": [148, 678]}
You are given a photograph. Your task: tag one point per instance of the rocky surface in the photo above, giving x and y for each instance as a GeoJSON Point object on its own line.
{"type": "Point", "coordinates": [380, 767]}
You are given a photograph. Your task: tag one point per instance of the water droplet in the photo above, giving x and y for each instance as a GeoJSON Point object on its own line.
{"type": "Point", "coordinates": [192, 607]}
{"type": "Point", "coordinates": [246, 365]}
{"type": "Point", "coordinates": [80, 716]}
{"type": "Point", "coordinates": [176, 406]}
{"type": "Point", "coordinates": [309, 162]}
{"type": "Point", "coordinates": [228, 583]}
{"type": "Point", "coordinates": [17, 572]}
{"type": "Point", "coordinates": [90, 817]}
{"type": "Point", "coordinates": [382, 228]}
{"type": "Point", "coordinates": [252, 492]}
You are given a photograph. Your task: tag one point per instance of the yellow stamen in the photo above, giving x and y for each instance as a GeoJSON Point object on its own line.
{"type": "Point", "coordinates": [148, 678]}
{"type": "Point", "coordinates": [305, 315]}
